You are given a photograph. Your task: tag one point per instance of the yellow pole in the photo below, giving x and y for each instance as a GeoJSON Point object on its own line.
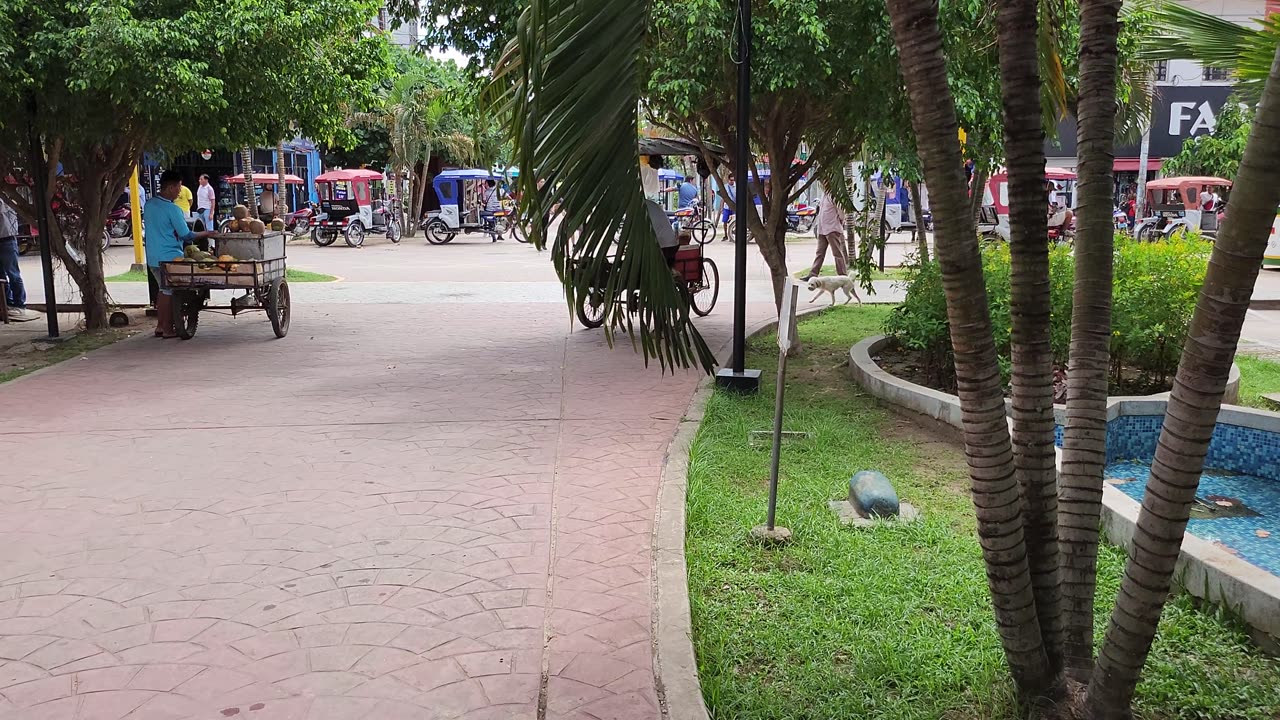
{"type": "Point", "coordinates": [135, 211]}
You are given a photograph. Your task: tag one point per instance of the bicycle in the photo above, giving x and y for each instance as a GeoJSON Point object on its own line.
{"type": "Point", "coordinates": [694, 221]}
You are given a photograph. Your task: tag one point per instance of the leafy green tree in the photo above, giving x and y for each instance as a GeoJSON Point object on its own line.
{"type": "Point", "coordinates": [102, 80]}
{"type": "Point", "coordinates": [1218, 153]}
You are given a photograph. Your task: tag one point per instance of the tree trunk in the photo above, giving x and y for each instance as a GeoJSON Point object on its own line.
{"type": "Point", "coordinates": [93, 286]}
{"type": "Point", "coordinates": [250, 189]}
{"type": "Point", "coordinates": [922, 238]}
{"type": "Point", "coordinates": [1084, 448]}
{"type": "Point", "coordinates": [1192, 412]}
{"type": "Point", "coordinates": [1031, 354]}
{"type": "Point", "coordinates": [977, 192]}
{"type": "Point", "coordinates": [996, 494]}
{"type": "Point", "coordinates": [281, 193]}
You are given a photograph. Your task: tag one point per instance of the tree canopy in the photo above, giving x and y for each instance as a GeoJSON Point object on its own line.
{"type": "Point", "coordinates": [100, 81]}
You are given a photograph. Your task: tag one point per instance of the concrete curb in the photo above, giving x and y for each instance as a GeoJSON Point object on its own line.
{"type": "Point", "coordinates": [675, 665]}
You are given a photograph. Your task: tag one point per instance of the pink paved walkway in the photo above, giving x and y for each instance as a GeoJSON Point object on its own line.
{"type": "Point", "coordinates": [408, 511]}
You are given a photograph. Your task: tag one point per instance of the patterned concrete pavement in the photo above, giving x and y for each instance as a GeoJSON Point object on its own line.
{"type": "Point", "coordinates": [410, 511]}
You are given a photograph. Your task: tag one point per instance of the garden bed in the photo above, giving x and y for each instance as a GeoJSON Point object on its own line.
{"type": "Point", "coordinates": [894, 622]}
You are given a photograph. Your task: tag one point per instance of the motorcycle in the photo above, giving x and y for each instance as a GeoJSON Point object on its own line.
{"type": "Point", "coordinates": [299, 221]}
{"type": "Point", "coordinates": [119, 225]}
{"type": "Point", "coordinates": [801, 220]}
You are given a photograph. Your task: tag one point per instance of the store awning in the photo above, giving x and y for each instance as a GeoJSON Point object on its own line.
{"type": "Point", "coordinates": [1131, 164]}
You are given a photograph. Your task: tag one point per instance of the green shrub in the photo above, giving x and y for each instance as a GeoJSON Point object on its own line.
{"type": "Point", "coordinates": [1154, 295]}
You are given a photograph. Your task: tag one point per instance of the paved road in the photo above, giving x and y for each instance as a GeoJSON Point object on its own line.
{"type": "Point", "coordinates": [426, 509]}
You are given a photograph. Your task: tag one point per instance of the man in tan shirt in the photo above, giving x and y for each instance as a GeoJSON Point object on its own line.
{"type": "Point", "coordinates": [831, 232]}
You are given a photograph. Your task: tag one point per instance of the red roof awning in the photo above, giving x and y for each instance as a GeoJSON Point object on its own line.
{"type": "Point", "coordinates": [1131, 164]}
{"type": "Point", "coordinates": [261, 179]}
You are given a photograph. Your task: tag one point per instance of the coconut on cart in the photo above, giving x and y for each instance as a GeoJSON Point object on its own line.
{"type": "Point", "coordinates": [249, 259]}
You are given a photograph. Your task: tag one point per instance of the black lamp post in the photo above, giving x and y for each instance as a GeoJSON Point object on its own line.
{"type": "Point", "coordinates": [738, 377]}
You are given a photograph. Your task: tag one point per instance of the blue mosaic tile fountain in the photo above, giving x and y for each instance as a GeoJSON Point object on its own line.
{"type": "Point", "coordinates": [1242, 468]}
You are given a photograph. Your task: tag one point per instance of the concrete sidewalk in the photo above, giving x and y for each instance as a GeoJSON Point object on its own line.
{"type": "Point", "coordinates": [399, 511]}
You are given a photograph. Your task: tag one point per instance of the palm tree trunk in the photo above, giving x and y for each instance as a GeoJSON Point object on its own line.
{"type": "Point", "coordinates": [922, 239]}
{"type": "Point", "coordinates": [1032, 357]}
{"type": "Point", "coordinates": [250, 189]}
{"type": "Point", "coordinates": [978, 190]}
{"type": "Point", "coordinates": [996, 494]}
{"type": "Point", "coordinates": [1084, 449]}
{"type": "Point", "coordinates": [1192, 412]}
{"type": "Point", "coordinates": [281, 206]}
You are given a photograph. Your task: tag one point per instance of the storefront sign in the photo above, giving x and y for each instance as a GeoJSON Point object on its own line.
{"type": "Point", "coordinates": [1179, 112]}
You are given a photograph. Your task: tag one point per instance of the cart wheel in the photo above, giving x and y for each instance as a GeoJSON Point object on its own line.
{"type": "Point", "coordinates": [355, 234]}
{"type": "Point", "coordinates": [591, 308]}
{"type": "Point", "coordinates": [702, 297]}
{"type": "Point", "coordinates": [24, 245]}
{"type": "Point", "coordinates": [438, 233]}
{"type": "Point", "coordinates": [393, 231]}
{"type": "Point", "coordinates": [186, 314]}
{"type": "Point", "coordinates": [278, 307]}
{"type": "Point", "coordinates": [518, 233]}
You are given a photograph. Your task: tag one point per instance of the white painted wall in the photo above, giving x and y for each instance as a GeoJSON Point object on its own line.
{"type": "Point", "coordinates": [1188, 72]}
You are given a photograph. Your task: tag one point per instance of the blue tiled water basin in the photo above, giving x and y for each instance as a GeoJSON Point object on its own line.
{"type": "Point", "coordinates": [1238, 501]}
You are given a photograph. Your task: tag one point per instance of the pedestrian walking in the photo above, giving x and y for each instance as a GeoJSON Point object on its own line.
{"type": "Point", "coordinates": [15, 291]}
{"type": "Point", "coordinates": [206, 201]}
{"type": "Point", "coordinates": [831, 233]}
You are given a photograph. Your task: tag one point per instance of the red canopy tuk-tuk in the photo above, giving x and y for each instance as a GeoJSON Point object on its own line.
{"type": "Point", "coordinates": [993, 223]}
{"type": "Point", "coordinates": [352, 204]}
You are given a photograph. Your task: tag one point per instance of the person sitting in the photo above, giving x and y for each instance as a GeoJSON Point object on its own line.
{"type": "Point", "coordinates": [490, 203]}
{"type": "Point", "coordinates": [166, 235]}
{"type": "Point", "coordinates": [1059, 217]}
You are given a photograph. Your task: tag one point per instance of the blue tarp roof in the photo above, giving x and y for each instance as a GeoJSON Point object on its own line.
{"type": "Point", "coordinates": [669, 174]}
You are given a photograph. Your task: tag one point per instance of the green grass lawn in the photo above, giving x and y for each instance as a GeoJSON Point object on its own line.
{"type": "Point", "coordinates": [891, 623]}
{"type": "Point", "coordinates": [888, 274]}
{"type": "Point", "coordinates": [291, 274]}
{"type": "Point", "coordinates": [1257, 378]}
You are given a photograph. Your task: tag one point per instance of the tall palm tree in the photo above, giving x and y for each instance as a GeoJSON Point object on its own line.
{"type": "Point", "coordinates": [1084, 449]}
{"type": "Point", "coordinates": [250, 187]}
{"type": "Point", "coordinates": [1032, 381]}
{"type": "Point", "coordinates": [419, 118]}
{"type": "Point", "coordinates": [1192, 412]}
{"type": "Point", "coordinates": [996, 493]}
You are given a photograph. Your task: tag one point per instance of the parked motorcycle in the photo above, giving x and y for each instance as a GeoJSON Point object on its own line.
{"type": "Point", "coordinates": [119, 225]}
{"type": "Point", "coordinates": [299, 221]}
{"type": "Point", "coordinates": [801, 219]}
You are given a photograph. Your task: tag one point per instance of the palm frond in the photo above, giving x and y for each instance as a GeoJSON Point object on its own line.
{"type": "Point", "coordinates": [1186, 34]}
{"type": "Point", "coordinates": [1054, 100]}
{"type": "Point", "coordinates": [570, 85]}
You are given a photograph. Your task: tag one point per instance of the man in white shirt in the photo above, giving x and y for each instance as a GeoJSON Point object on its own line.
{"type": "Point", "coordinates": [206, 201]}
{"type": "Point", "coordinates": [15, 292]}
{"type": "Point", "coordinates": [831, 232]}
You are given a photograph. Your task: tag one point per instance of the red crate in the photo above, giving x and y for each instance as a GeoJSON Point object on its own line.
{"type": "Point", "coordinates": [689, 263]}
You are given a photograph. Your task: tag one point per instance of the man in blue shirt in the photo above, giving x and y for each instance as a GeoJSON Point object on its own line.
{"type": "Point", "coordinates": [688, 194]}
{"type": "Point", "coordinates": [165, 234]}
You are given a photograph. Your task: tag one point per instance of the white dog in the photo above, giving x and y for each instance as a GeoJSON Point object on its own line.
{"type": "Point", "coordinates": [830, 284]}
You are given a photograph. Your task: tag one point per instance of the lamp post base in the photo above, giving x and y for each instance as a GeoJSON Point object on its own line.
{"type": "Point", "coordinates": [746, 382]}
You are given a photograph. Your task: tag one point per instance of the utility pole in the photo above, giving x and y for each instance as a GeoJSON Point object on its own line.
{"type": "Point", "coordinates": [39, 178]}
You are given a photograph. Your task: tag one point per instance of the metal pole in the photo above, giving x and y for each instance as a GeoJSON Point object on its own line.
{"type": "Point", "coordinates": [777, 437]}
{"type": "Point", "coordinates": [1144, 156]}
{"type": "Point", "coordinates": [743, 199]}
{"type": "Point", "coordinates": [39, 172]}
{"type": "Point", "coordinates": [884, 224]}
{"type": "Point", "coordinates": [135, 217]}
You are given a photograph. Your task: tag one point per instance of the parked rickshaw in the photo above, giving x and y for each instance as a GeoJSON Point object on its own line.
{"type": "Point", "coordinates": [993, 220]}
{"type": "Point", "coordinates": [1271, 258]}
{"type": "Point", "coordinates": [1176, 207]}
{"type": "Point", "coordinates": [256, 278]}
{"type": "Point", "coordinates": [353, 204]}
{"type": "Point", "coordinates": [461, 210]}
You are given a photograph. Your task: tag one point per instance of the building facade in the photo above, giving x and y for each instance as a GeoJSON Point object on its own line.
{"type": "Point", "coordinates": [1188, 100]}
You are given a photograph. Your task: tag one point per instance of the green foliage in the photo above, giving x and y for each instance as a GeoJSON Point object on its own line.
{"type": "Point", "coordinates": [1218, 153]}
{"type": "Point", "coordinates": [478, 29]}
{"type": "Point", "coordinates": [1183, 33]}
{"type": "Point", "coordinates": [1154, 297]}
{"type": "Point", "coordinates": [892, 623]}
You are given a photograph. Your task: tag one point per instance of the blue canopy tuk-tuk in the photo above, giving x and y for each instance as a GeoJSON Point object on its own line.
{"type": "Point", "coordinates": [461, 195]}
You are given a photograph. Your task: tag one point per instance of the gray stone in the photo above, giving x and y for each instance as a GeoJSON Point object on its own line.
{"type": "Point", "coordinates": [873, 495]}
{"type": "Point", "coordinates": [778, 534]}
{"type": "Point", "coordinates": [849, 515]}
